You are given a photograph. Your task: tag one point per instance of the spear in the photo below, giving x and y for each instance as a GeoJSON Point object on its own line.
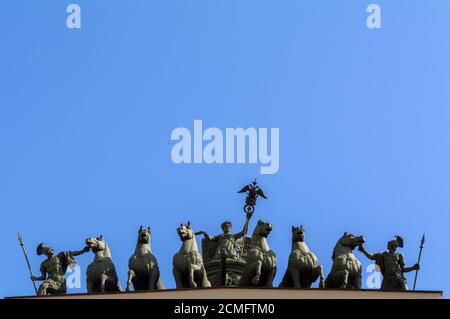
{"type": "Point", "coordinates": [28, 262]}
{"type": "Point", "coordinates": [418, 261]}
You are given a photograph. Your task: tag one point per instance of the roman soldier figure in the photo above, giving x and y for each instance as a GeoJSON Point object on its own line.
{"type": "Point", "coordinates": [392, 265]}
{"type": "Point", "coordinates": [54, 268]}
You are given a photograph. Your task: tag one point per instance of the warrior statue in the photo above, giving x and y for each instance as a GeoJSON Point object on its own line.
{"type": "Point", "coordinates": [54, 268]}
{"type": "Point", "coordinates": [225, 243]}
{"type": "Point", "coordinates": [392, 265]}
{"type": "Point", "coordinates": [303, 268]}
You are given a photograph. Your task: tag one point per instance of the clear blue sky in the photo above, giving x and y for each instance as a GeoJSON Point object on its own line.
{"type": "Point", "coordinates": [86, 117]}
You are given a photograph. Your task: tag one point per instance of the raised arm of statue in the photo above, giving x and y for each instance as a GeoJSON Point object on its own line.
{"type": "Point", "coordinates": [245, 229]}
{"type": "Point", "coordinates": [205, 234]}
{"type": "Point", "coordinates": [79, 252]}
{"type": "Point", "coordinates": [367, 254]}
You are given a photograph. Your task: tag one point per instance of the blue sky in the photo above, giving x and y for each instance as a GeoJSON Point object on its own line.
{"type": "Point", "coordinates": [86, 117]}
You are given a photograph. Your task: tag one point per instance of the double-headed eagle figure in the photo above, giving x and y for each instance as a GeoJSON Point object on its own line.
{"type": "Point", "coordinates": [253, 191]}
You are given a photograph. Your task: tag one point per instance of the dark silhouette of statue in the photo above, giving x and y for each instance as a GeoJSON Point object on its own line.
{"type": "Point", "coordinates": [54, 268]}
{"type": "Point", "coordinates": [392, 265]}
{"type": "Point", "coordinates": [253, 191]}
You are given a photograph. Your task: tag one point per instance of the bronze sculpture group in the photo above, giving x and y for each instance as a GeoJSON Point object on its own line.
{"type": "Point", "coordinates": [228, 260]}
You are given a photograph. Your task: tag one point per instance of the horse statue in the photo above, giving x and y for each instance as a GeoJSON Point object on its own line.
{"type": "Point", "coordinates": [101, 273]}
{"type": "Point", "coordinates": [143, 268]}
{"type": "Point", "coordinates": [346, 271]}
{"type": "Point", "coordinates": [188, 268]}
{"type": "Point", "coordinates": [261, 265]}
{"type": "Point", "coordinates": [303, 268]}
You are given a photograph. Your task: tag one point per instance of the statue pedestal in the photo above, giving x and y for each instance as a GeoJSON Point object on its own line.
{"type": "Point", "coordinates": [233, 270]}
{"type": "Point", "coordinates": [252, 293]}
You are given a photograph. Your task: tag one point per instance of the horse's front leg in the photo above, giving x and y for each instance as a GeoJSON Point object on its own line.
{"type": "Point", "coordinates": [153, 278]}
{"type": "Point", "coordinates": [178, 278]}
{"type": "Point", "coordinates": [192, 282]}
{"type": "Point", "coordinates": [131, 276]}
{"type": "Point", "coordinates": [295, 275]}
{"type": "Point", "coordinates": [159, 284]}
{"type": "Point", "coordinates": [271, 276]}
{"type": "Point", "coordinates": [103, 278]}
{"type": "Point", "coordinates": [90, 286]}
{"type": "Point", "coordinates": [205, 281]}
{"type": "Point", "coordinates": [317, 272]}
{"type": "Point", "coordinates": [258, 266]}
{"type": "Point", "coordinates": [357, 281]}
{"type": "Point", "coordinates": [118, 285]}
{"type": "Point", "coordinates": [321, 277]}
{"type": "Point", "coordinates": [341, 276]}
{"type": "Point", "coordinates": [338, 276]}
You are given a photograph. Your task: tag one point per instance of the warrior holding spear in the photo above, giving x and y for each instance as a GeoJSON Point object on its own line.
{"type": "Point", "coordinates": [26, 259]}
{"type": "Point", "coordinates": [54, 268]}
{"type": "Point", "coordinates": [392, 265]}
